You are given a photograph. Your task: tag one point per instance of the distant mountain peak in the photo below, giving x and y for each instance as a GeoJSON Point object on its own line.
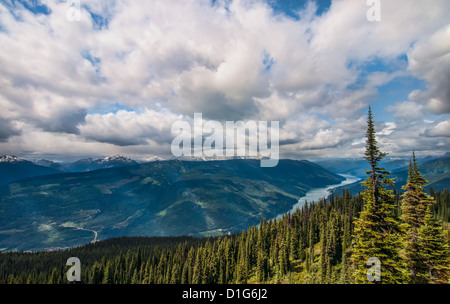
{"type": "Point", "coordinates": [152, 158]}
{"type": "Point", "coordinates": [10, 159]}
{"type": "Point", "coordinates": [117, 158]}
{"type": "Point", "coordinates": [90, 164]}
{"type": "Point", "coordinates": [42, 162]}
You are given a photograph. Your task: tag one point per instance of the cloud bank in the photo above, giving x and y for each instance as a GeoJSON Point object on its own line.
{"type": "Point", "coordinates": [115, 81]}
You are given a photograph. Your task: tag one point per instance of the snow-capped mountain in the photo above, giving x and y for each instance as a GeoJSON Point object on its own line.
{"type": "Point", "coordinates": [117, 159]}
{"type": "Point", "coordinates": [90, 164]}
{"type": "Point", "coordinates": [10, 159]}
{"type": "Point", "coordinates": [152, 159]}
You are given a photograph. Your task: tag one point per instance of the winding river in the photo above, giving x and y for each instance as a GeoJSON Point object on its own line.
{"type": "Point", "coordinates": [317, 194]}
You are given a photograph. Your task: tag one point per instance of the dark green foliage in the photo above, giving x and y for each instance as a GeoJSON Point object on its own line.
{"type": "Point", "coordinates": [426, 247]}
{"type": "Point", "coordinates": [260, 254]}
{"type": "Point", "coordinates": [415, 203]}
{"type": "Point", "coordinates": [415, 200]}
{"type": "Point", "coordinates": [433, 251]}
{"type": "Point", "coordinates": [377, 231]}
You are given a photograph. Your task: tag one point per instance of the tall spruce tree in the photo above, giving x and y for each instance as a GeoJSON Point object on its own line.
{"type": "Point", "coordinates": [415, 202]}
{"type": "Point", "coordinates": [376, 230]}
{"type": "Point", "coordinates": [434, 252]}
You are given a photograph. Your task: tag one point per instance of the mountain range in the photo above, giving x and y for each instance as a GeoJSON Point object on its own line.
{"type": "Point", "coordinates": [14, 169]}
{"type": "Point", "coordinates": [47, 205]}
{"type": "Point", "coordinates": [89, 164]}
{"type": "Point", "coordinates": [358, 166]}
{"type": "Point", "coordinates": [435, 170]}
{"type": "Point", "coordinates": [162, 198]}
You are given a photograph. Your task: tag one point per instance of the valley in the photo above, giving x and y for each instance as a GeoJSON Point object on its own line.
{"type": "Point", "coordinates": [170, 198]}
{"type": "Point", "coordinates": [314, 195]}
{"type": "Point", "coordinates": [164, 198]}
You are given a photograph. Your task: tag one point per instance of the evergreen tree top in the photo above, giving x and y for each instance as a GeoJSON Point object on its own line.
{"type": "Point", "coordinates": [372, 154]}
{"type": "Point", "coordinates": [418, 177]}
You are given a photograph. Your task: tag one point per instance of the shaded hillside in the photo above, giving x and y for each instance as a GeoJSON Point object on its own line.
{"type": "Point", "coordinates": [436, 171]}
{"type": "Point", "coordinates": [13, 169]}
{"type": "Point", "coordinates": [359, 166]}
{"type": "Point", "coordinates": [154, 199]}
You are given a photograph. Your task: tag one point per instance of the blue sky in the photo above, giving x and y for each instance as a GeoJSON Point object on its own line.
{"type": "Point", "coordinates": [291, 7]}
{"type": "Point", "coordinates": [114, 81]}
{"type": "Point", "coordinates": [34, 6]}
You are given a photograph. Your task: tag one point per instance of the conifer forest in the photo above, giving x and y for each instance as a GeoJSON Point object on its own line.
{"type": "Point", "coordinates": [329, 241]}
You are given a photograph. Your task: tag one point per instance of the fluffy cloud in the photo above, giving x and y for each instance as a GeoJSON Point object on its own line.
{"type": "Point", "coordinates": [442, 129]}
{"type": "Point", "coordinates": [430, 60]}
{"type": "Point", "coordinates": [127, 128]}
{"type": "Point", "coordinates": [407, 111]}
{"type": "Point", "coordinates": [229, 60]}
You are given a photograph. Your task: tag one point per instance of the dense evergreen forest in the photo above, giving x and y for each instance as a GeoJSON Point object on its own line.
{"type": "Point", "coordinates": [328, 241]}
{"type": "Point", "coordinates": [312, 245]}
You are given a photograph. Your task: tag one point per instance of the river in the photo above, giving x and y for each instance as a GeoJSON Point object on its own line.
{"type": "Point", "coordinates": [316, 194]}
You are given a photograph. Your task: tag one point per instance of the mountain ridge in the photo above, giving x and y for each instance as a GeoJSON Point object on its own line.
{"type": "Point", "coordinates": [435, 170]}
{"type": "Point", "coordinates": [163, 198]}
{"type": "Point", "coordinates": [91, 164]}
{"type": "Point", "coordinates": [13, 169]}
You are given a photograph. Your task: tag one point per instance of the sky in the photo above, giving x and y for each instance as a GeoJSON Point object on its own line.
{"type": "Point", "coordinates": [97, 78]}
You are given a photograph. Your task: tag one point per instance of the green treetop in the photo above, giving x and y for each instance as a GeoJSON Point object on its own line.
{"type": "Point", "coordinates": [376, 230]}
